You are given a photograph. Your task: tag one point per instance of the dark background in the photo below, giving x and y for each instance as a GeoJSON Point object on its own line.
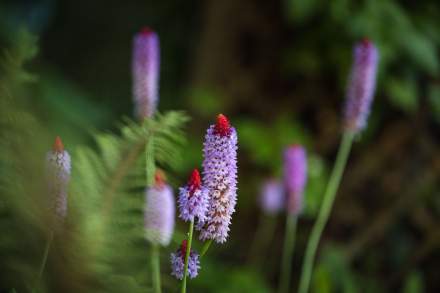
{"type": "Point", "coordinates": [278, 70]}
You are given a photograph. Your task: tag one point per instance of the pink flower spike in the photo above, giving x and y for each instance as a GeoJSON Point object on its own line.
{"type": "Point", "coordinates": [361, 85]}
{"type": "Point", "coordinates": [295, 177]}
{"type": "Point", "coordinates": [145, 71]}
{"type": "Point", "coordinates": [159, 212]}
{"type": "Point", "coordinates": [220, 178]}
{"type": "Point", "coordinates": [58, 174]}
{"type": "Point", "coordinates": [193, 199]}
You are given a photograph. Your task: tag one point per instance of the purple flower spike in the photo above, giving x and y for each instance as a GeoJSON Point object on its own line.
{"type": "Point", "coordinates": [220, 177]}
{"type": "Point", "coordinates": [159, 212]}
{"type": "Point", "coordinates": [58, 173]}
{"type": "Point", "coordinates": [145, 70]}
{"type": "Point", "coordinates": [178, 262]}
{"type": "Point", "coordinates": [295, 177]}
{"type": "Point", "coordinates": [361, 86]}
{"type": "Point", "coordinates": [193, 199]}
{"type": "Point", "coordinates": [271, 198]}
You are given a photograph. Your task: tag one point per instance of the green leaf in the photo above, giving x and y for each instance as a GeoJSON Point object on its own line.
{"type": "Point", "coordinates": [206, 102]}
{"type": "Point", "coordinates": [321, 280]}
{"type": "Point", "coordinates": [422, 51]}
{"type": "Point", "coordinates": [414, 283]}
{"type": "Point", "coordinates": [301, 10]}
{"type": "Point", "coordinates": [402, 93]}
{"type": "Point", "coordinates": [434, 100]}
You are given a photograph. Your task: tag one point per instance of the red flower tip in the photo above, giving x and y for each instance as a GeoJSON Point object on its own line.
{"type": "Point", "coordinates": [366, 42]}
{"type": "Point", "coordinates": [58, 145]}
{"type": "Point", "coordinates": [184, 247]}
{"type": "Point", "coordinates": [146, 31]}
{"type": "Point", "coordinates": [194, 182]}
{"type": "Point", "coordinates": [159, 179]}
{"type": "Point", "coordinates": [222, 127]}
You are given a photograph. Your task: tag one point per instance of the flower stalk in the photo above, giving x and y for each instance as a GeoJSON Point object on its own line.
{"type": "Point", "coordinates": [187, 253]}
{"type": "Point", "coordinates": [44, 261]}
{"type": "Point", "coordinates": [288, 248]}
{"type": "Point", "coordinates": [271, 202]}
{"type": "Point", "coordinates": [324, 212]}
{"type": "Point", "coordinates": [155, 267]}
{"type": "Point", "coordinates": [205, 247]}
{"type": "Point", "coordinates": [360, 94]}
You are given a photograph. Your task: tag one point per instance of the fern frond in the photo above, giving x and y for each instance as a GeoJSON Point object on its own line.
{"type": "Point", "coordinates": [108, 189]}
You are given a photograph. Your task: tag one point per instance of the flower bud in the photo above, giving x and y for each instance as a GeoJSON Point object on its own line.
{"type": "Point", "coordinates": [58, 174]}
{"type": "Point", "coordinates": [193, 199]}
{"type": "Point", "coordinates": [145, 70]}
{"type": "Point", "coordinates": [361, 86]}
{"type": "Point", "coordinates": [295, 177]}
{"type": "Point", "coordinates": [159, 212]}
{"type": "Point", "coordinates": [178, 262]}
{"type": "Point", "coordinates": [272, 197]}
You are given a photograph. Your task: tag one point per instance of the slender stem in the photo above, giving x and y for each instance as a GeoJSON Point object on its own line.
{"type": "Point", "coordinates": [324, 212]}
{"type": "Point", "coordinates": [188, 250]}
{"type": "Point", "coordinates": [286, 260]}
{"type": "Point", "coordinates": [205, 247]}
{"type": "Point", "coordinates": [262, 238]}
{"type": "Point", "coordinates": [44, 261]}
{"type": "Point", "coordinates": [155, 267]}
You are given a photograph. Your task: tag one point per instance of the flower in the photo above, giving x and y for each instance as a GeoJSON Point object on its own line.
{"type": "Point", "coordinates": [145, 70]}
{"type": "Point", "coordinates": [58, 173]}
{"type": "Point", "coordinates": [159, 211]}
{"type": "Point", "coordinates": [178, 262]}
{"type": "Point", "coordinates": [295, 177]}
{"type": "Point", "coordinates": [271, 198]}
{"type": "Point", "coordinates": [361, 86]}
{"type": "Point", "coordinates": [220, 177]}
{"type": "Point", "coordinates": [193, 199]}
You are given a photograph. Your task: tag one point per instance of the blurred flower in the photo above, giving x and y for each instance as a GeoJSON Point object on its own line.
{"type": "Point", "coordinates": [272, 198]}
{"type": "Point", "coordinates": [193, 199]}
{"type": "Point", "coordinates": [58, 173]}
{"type": "Point", "coordinates": [295, 177]}
{"type": "Point", "coordinates": [145, 70]}
{"type": "Point", "coordinates": [159, 211]}
{"type": "Point", "coordinates": [178, 262]}
{"type": "Point", "coordinates": [361, 85]}
{"type": "Point", "coordinates": [220, 177]}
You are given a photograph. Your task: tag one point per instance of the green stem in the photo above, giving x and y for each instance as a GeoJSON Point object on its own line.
{"type": "Point", "coordinates": [205, 247]}
{"type": "Point", "coordinates": [188, 250]}
{"type": "Point", "coordinates": [286, 260]}
{"type": "Point", "coordinates": [324, 212]}
{"type": "Point", "coordinates": [44, 261]}
{"type": "Point", "coordinates": [155, 267]}
{"type": "Point", "coordinates": [262, 238]}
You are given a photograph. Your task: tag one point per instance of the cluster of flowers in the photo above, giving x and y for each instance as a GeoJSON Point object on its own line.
{"type": "Point", "coordinates": [211, 200]}
{"type": "Point", "coordinates": [277, 195]}
{"type": "Point", "coordinates": [288, 193]}
{"type": "Point", "coordinates": [211, 204]}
